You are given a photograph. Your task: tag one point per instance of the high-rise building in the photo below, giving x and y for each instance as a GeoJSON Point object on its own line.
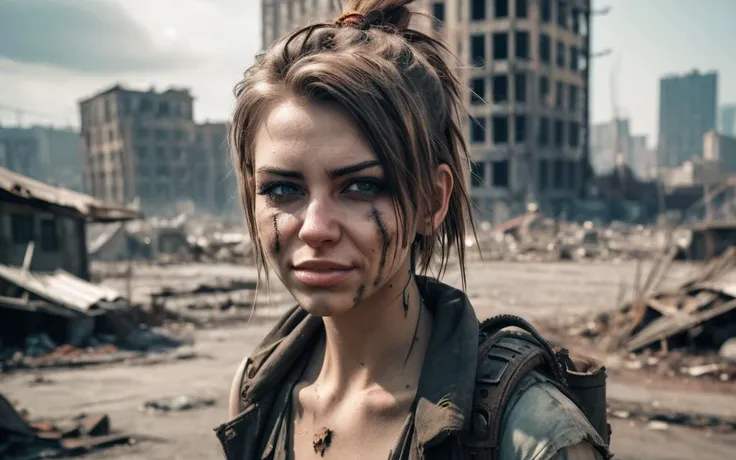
{"type": "Point", "coordinates": [727, 120]}
{"type": "Point", "coordinates": [610, 145]}
{"type": "Point", "coordinates": [45, 153]}
{"type": "Point", "coordinates": [146, 145]}
{"type": "Point", "coordinates": [19, 151]}
{"type": "Point", "coordinates": [720, 148]}
{"type": "Point", "coordinates": [217, 185]}
{"type": "Point", "coordinates": [525, 65]}
{"type": "Point", "coordinates": [687, 110]}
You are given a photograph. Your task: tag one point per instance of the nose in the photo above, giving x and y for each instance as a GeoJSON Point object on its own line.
{"type": "Point", "coordinates": [320, 226]}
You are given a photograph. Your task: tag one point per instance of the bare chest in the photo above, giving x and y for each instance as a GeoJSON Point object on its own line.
{"type": "Point", "coordinates": [346, 437]}
{"type": "Point", "coordinates": [346, 430]}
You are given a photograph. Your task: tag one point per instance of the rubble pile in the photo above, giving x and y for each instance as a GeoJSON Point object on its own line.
{"type": "Point", "coordinates": [686, 331]}
{"type": "Point", "coordinates": [25, 439]}
{"type": "Point", "coordinates": [50, 319]}
{"type": "Point", "coordinates": [534, 238]}
{"type": "Point", "coordinates": [658, 418]}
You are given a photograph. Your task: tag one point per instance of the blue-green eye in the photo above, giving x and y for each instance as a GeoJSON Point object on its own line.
{"type": "Point", "coordinates": [279, 191]}
{"type": "Point", "coordinates": [366, 186]}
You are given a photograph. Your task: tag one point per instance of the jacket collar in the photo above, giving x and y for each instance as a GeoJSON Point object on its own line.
{"type": "Point", "coordinates": [445, 392]}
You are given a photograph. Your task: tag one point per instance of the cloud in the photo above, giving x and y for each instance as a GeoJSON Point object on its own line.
{"type": "Point", "coordinates": [92, 36]}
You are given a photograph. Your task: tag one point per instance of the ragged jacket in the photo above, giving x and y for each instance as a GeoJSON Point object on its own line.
{"type": "Point", "coordinates": [539, 423]}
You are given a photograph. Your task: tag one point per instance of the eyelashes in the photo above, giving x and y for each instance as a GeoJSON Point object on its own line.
{"type": "Point", "coordinates": [360, 188]}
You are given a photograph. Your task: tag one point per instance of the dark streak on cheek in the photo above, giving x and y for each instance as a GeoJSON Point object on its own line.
{"type": "Point", "coordinates": [385, 241]}
{"type": "Point", "coordinates": [359, 294]}
{"type": "Point", "coordinates": [276, 246]}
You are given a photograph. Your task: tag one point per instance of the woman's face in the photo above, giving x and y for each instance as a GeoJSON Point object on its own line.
{"type": "Point", "coordinates": [323, 210]}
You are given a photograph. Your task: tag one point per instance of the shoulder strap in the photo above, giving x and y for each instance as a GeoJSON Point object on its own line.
{"type": "Point", "coordinates": [504, 358]}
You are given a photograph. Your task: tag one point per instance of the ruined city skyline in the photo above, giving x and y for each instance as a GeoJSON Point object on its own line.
{"type": "Point", "coordinates": [206, 44]}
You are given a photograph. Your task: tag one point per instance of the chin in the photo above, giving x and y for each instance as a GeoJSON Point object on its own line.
{"type": "Point", "coordinates": [324, 304]}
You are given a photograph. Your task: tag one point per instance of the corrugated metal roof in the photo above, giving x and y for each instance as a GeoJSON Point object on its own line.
{"type": "Point", "coordinates": [88, 206]}
{"type": "Point", "coordinates": [60, 287]}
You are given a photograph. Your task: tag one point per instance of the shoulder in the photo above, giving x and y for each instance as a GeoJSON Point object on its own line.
{"type": "Point", "coordinates": [541, 423]}
{"type": "Point", "coordinates": [272, 359]}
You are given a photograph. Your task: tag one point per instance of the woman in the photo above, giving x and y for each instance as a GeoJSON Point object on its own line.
{"type": "Point", "coordinates": [347, 139]}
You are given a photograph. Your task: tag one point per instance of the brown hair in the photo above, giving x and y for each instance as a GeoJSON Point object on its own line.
{"type": "Point", "coordinates": [395, 84]}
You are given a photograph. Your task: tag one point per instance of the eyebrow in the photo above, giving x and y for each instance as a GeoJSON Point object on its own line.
{"type": "Point", "coordinates": [333, 173]}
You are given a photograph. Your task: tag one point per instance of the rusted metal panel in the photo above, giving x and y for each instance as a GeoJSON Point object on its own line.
{"type": "Point", "coordinates": [25, 188]}
{"type": "Point", "coordinates": [60, 288]}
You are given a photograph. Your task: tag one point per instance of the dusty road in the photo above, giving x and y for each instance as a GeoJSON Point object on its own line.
{"type": "Point", "coordinates": [534, 290]}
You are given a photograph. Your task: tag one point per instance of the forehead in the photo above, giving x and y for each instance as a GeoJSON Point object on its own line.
{"type": "Point", "coordinates": [301, 135]}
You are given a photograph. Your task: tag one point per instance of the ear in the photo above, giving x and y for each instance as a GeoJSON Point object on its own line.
{"type": "Point", "coordinates": [443, 183]}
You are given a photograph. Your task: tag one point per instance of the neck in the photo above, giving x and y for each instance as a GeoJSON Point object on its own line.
{"type": "Point", "coordinates": [379, 341]}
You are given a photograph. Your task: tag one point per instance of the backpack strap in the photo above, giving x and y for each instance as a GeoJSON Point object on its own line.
{"type": "Point", "coordinates": [504, 358]}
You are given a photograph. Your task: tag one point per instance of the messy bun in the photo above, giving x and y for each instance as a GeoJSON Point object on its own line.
{"type": "Point", "coordinates": [376, 13]}
{"type": "Point", "coordinates": [395, 83]}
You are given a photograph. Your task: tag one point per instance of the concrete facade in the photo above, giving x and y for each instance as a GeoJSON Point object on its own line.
{"type": "Point", "coordinates": [687, 110]}
{"type": "Point", "coordinates": [721, 149]}
{"type": "Point", "coordinates": [525, 66]}
{"type": "Point", "coordinates": [727, 120]}
{"type": "Point", "coordinates": [145, 145]}
{"type": "Point", "coordinates": [19, 151]}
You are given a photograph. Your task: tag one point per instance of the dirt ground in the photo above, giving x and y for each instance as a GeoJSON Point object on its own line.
{"type": "Point", "coordinates": [536, 291]}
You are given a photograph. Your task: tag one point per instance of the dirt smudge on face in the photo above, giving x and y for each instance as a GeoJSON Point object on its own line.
{"type": "Point", "coordinates": [385, 242]}
{"type": "Point", "coordinates": [276, 245]}
{"type": "Point", "coordinates": [359, 295]}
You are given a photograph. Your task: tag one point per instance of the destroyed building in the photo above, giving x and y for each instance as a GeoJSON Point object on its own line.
{"type": "Point", "coordinates": [44, 269]}
{"type": "Point", "coordinates": [53, 219]}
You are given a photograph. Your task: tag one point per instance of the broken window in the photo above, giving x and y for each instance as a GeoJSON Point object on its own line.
{"type": "Point", "coordinates": [574, 58]}
{"type": "Point", "coordinates": [478, 91]}
{"type": "Point", "coordinates": [521, 9]}
{"type": "Point", "coordinates": [438, 12]}
{"type": "Point", "coordinates": [478, 50]}
{"type": "Point", "coordinates": [500, 129]}
{"type": "Point", "coordinates": [49, 236]}
{"type": "Point", "coordinates": [574, 134]}
{"type": "Point", "coordinates": [501, 8]}
{"type": "Point", "coordinates": [572, 98]}
{"type": "Point", "coordinates": [477, 10]}
{"type": "Point", "coordinates": [500, 88]}
{"type": "Point", "coordinates": [520, 128]}
{"type": "Point", "coordinates": [575, 21]}
{"type": "Point", "coordinates": [562, 13]}
{"type": "Point", "coordinates": [559, 93]}
{"type": "Point", "coordinates": [21, 228]}
{"type": "Point", "coordinates": [558, 174]}
{"type": "Point", "coordinates": [501, 173]}
{"type": "Point", "coordinates": [522, 45]}
{"type": "Point", "coordinates": [545, 48]}
{"type": "Point", "coordinates": [560, 54]}
{"type": "Point", "coordinates": [478, 174]}
{"type": "Point", "coordinates": [546, 8]}
{"type": "Point", "coordinates": [520, 87]}
{"type": "Point", "coordinates": [543, 131]}
{"type": "Point", "coordinates": [478, 130]}
{"type": "Point", "coordinates": [558, 133]}
{"type": "Point", "coordinates": [500, 46]}
{"type": "Point", "coordinates": [543, 175]}
{"type": "Point", "coordinates": [544, 90]}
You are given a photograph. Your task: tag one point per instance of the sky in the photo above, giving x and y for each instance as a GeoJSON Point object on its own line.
{"type": "Point", "coordinates": [55, 52]}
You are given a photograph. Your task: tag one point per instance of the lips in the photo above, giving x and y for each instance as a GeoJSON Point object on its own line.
{"type": "Point", "coordinates": [321, 273]}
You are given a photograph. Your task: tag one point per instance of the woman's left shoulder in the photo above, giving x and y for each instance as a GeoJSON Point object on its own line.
{"type": "Point", "coordinates": [542, 423]}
